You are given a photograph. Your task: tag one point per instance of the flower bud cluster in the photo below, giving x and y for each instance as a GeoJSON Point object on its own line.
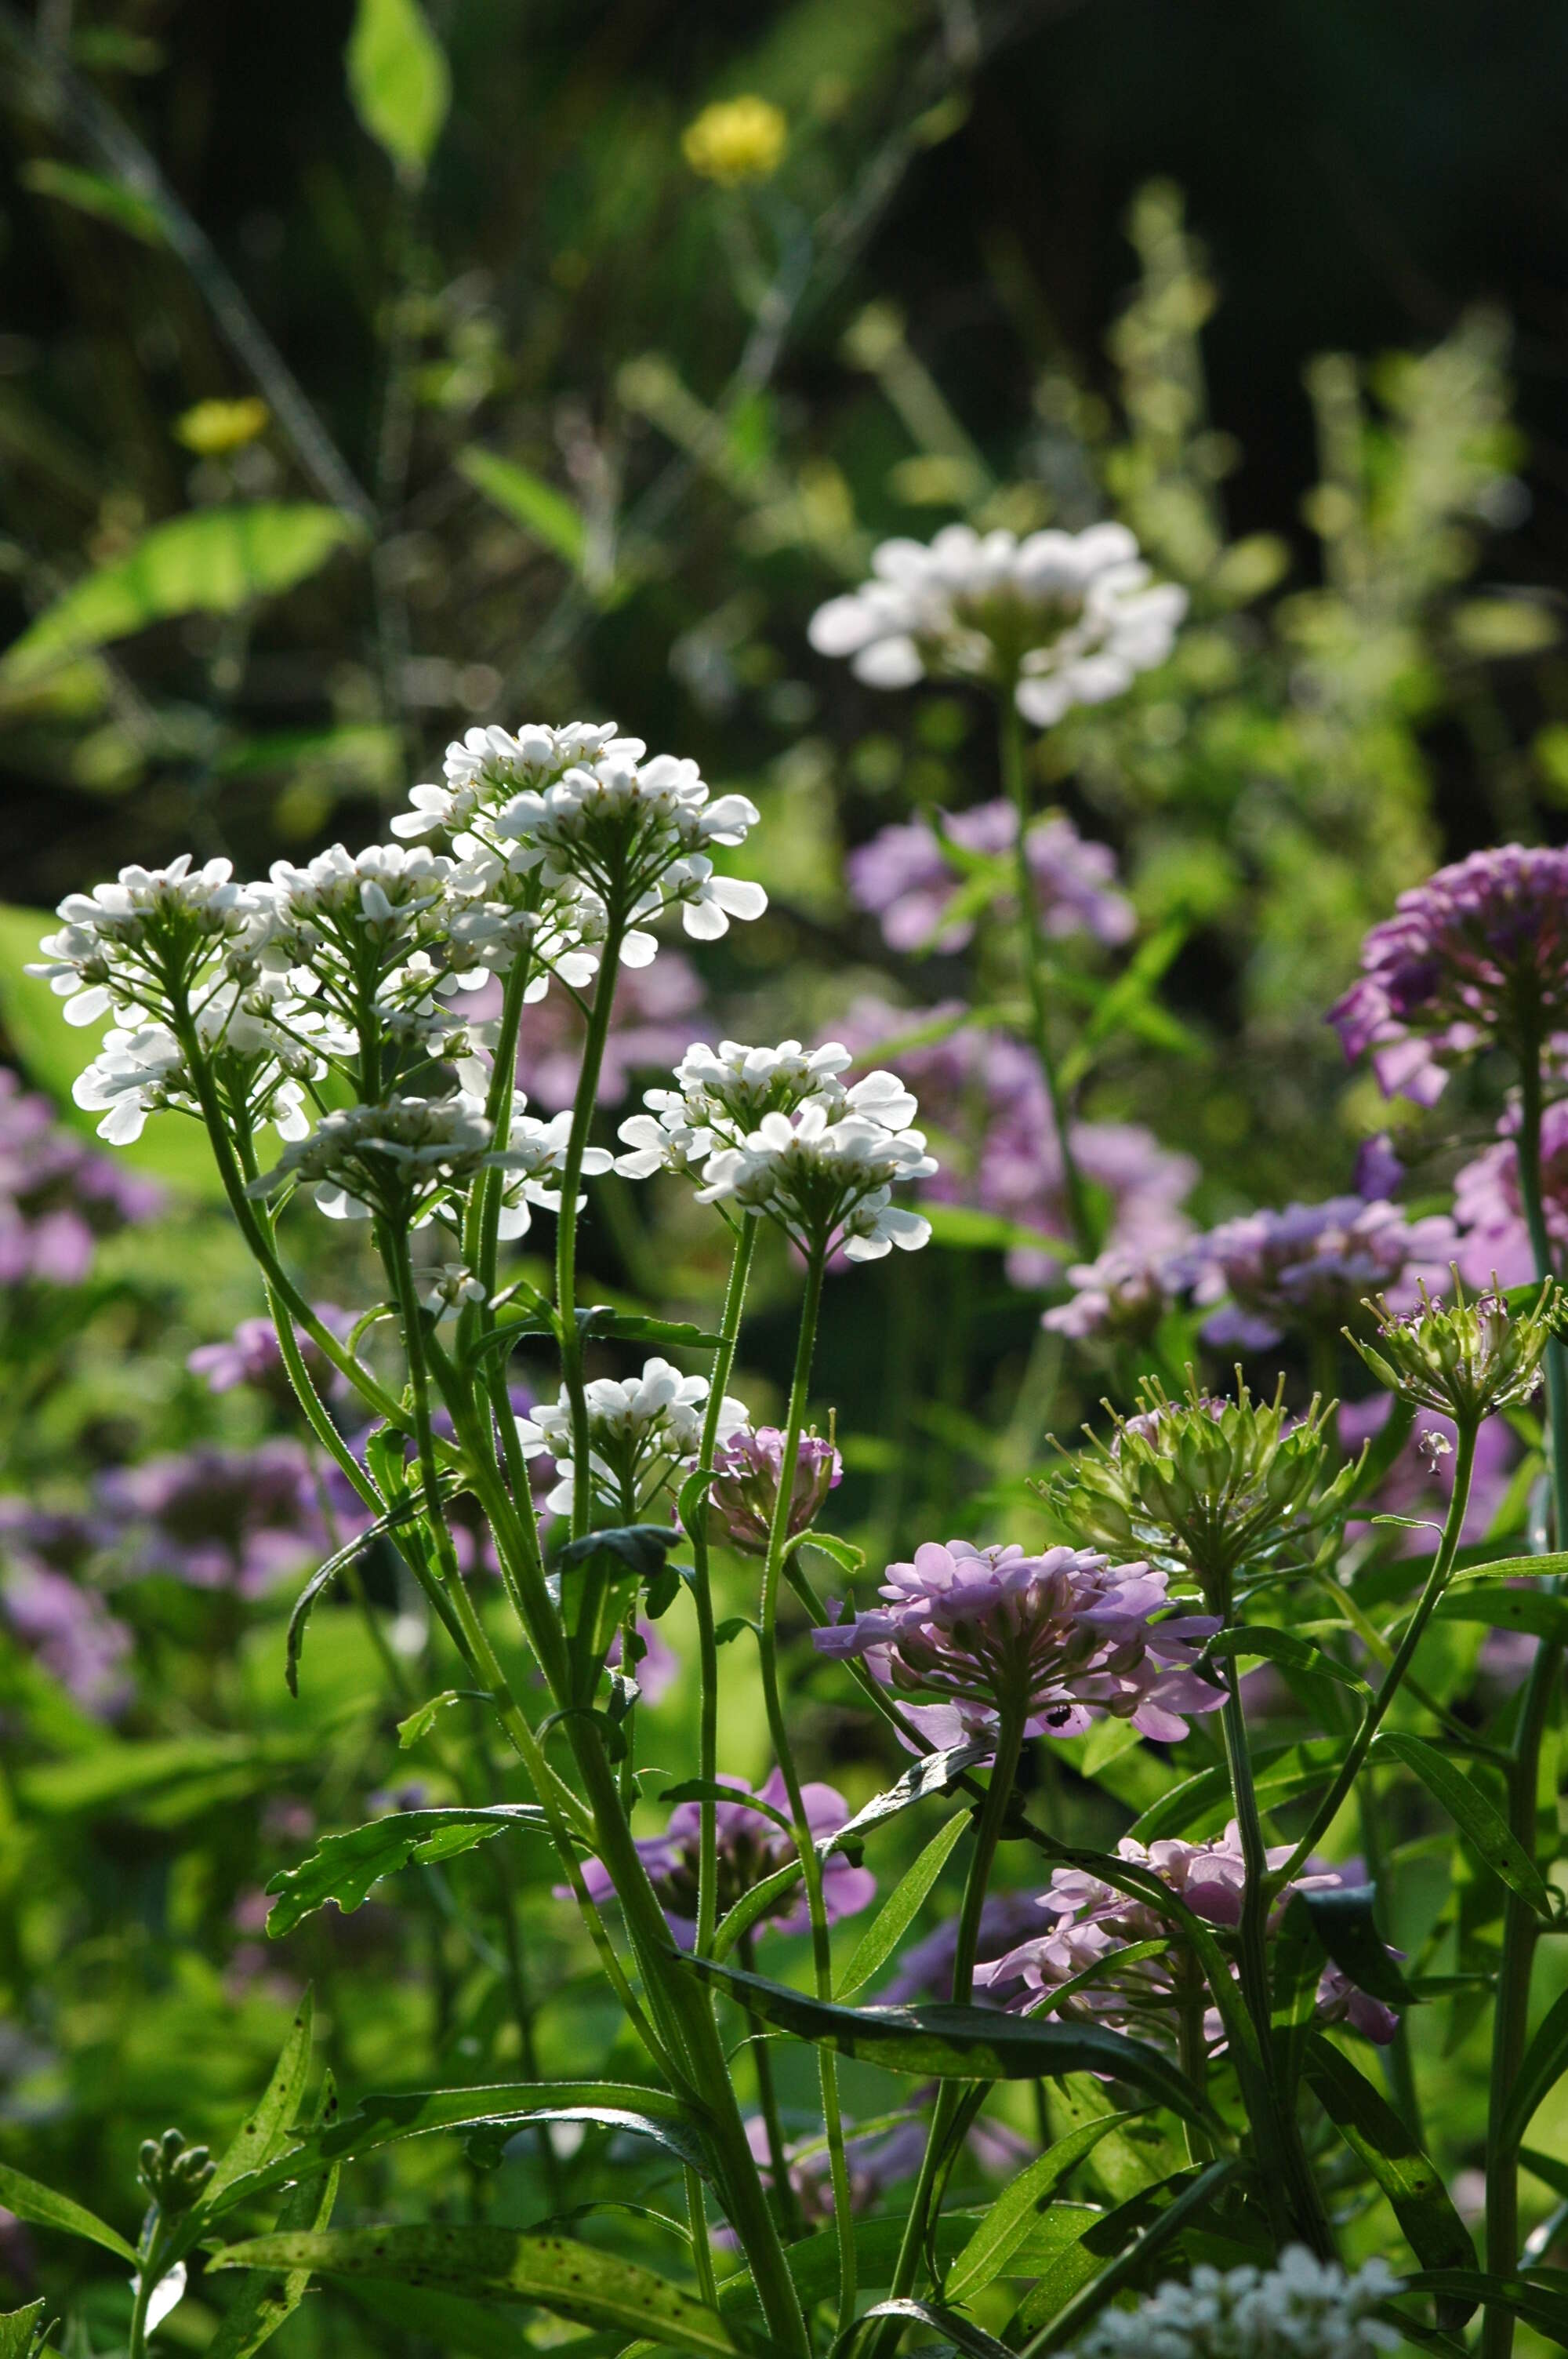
{"type": "Point", "coordinates": [1203, 1487]}
{"type": "Point", "coordinates": [639, 1433]}
{"type": "Point", "coordinates": [1467, 1360]}
{"type": "Point", "coordinates": [744, 1494]}
{"type": "Point", "coordinates": [1302, 2309]}
{"type": "Point", "coordinates": [1054, 1640]}
{"type": "Point", "coordinates": [173, 2173]}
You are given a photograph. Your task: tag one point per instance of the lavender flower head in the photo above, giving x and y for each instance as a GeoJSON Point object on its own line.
{"type": "Point", "coordinates": [71, 1631]}
{"type": "Point", "coordinates": [907, 877]}
{"type": "Point", "coordinates": [1120, 1296]}
{"type": "Point", "coordinates": [745, 1491]}
{"type": "Point", "coordinates": [1477, 955]}
{"type": "Point", "coordinates": [1311, 1265]}
{"type": "Point", "coordinates": [1058, 1639]}
{"type": "Point", "coordinates": [1092, 1921]}
{"type": "Point", "coordinates": [1057, 619]}
{"type": "Point", "coordinates": [1487, 1207]}
{"type": "Point", "coordinates": [58, 1196]}
{"type": "Point", "coordinates": [251, 1356]}
{"type": "Point", "coordinates": [238, 1520]}
{"type": "Point", "coordinates": [751, 1846]}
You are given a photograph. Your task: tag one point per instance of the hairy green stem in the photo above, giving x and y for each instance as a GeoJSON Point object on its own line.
{"type": "Point", "coordinates": [565, 1227]}
{"type": "Point", "coordinates": [1031, 947]}
{"type": "Point", "coordinates": [702, 1589]}
{"type": "Point", "coordinates": [1521, 1928]}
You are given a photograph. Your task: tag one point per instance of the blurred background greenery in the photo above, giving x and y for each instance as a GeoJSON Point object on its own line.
{"type": "Point", "coordinates": [367, 374]}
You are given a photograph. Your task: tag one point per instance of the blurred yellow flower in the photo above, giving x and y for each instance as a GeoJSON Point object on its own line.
{"type": "Point", "coordinates": [214, 427]}
{"type": "Point", "coordinates": [736, 139]}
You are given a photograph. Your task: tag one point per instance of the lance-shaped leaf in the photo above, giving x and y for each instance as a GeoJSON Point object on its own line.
{"type": "Point", "coordinates": [1343, 1923]}
{"type": "Point", "coordinates": [1545, 2061]}
{"type": "Point", "coordinates": [30, 2199]}
{"type": "Point", "coordinates": [1077, 2287]}
{"type": "Point", "coordinates": [1407, 2175]}
{"type": "Point", "coordinates": [262, 2303]}
{"type": "Point", "coordinates": [488, 2140]}
{"type": "Point", "coordinates": [268, 2129]}
{"type": "Point", "coordinates": [1539, 2297]}
{"type": "Point", "coordinates": [569, 2280]}
{"type": "Point", "coordinates": [945, 2042]}
{"type": "Point", "coordinates": [398, 80]}
{"type": "Point", "coordinates": [403, 1515]}
{"type": "Point", "coordinates": [1284, 1772]}
{"type": "Point", "coordinates": [343, 1868]}
{"type": "Point", "coordinates": [814, 2262]}
{"type": "Point", "coordinates": [21, 2331]}
{"type": "Point", "coordinates": [1286, 1647]}
{"type": "Point", "coordinates": [537, 507]}
{"type": "Point", "coordinates": [960, 2332]}
{"type": "Point", "coordinates": [1468, 1807]}
{"type": "Point", "coordinates": [1008, 2222]}
{"type": "Point", "coordinates": [1506, 1609]}
{"type": "Point", "coordinates": [898, 1912]}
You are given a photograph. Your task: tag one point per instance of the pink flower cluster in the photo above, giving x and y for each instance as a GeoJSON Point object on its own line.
{"type": "Point", "coordinates": [1311, 1265]}
{"type": "Point", "coordinates": [1478, 955]}
{"type": "Point", "coordinates": [907, 877]}
{"type": "Point", "coordinates": [745, 1489]}
{"type": "Point", "coordinates": [1487, 1203]}
{"type": "Point", "coordinates": [1061, 1637]}
{"type": "Point", "coordinates": [58, 1195]}
{"type": "Point", "coordinates": [1092, 1922]}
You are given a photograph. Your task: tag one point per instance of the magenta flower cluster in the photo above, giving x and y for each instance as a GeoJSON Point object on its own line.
{"type": "Point", "coordinates": [1092, 1922]}
{"type": "Point", "coordinates": [1478, 955]}
{"type": "Point", "coordinates": [907, 877]}
{"type": "Point", "coordinates": [1057, 1639]}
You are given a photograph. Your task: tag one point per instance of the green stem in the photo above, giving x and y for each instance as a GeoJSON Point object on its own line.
{"type": "Point", "coordinates": [778, 1728]}
{"type": "Point", "coordinates": [1520, 1928]}
{"type": "Point", "coordinates": [768, 2105]}
{"type": "Point", "coordinates": [702, 1589]}
{"type": "Point", "coordinates": [1376, 1712]}
{"type": "Point", "coordinates": [1398, 2061]}
{"type": "Point", "coordinates": [1031, 947]}
{"type": "Point", "coordinates": [565, 1227]}
{"type": "Point", "coordinates": [991, 1816]}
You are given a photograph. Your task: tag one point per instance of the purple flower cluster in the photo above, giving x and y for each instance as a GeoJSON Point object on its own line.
{"type": "Point", "coordinates": [1487, 1207]}
{"type": "Point", "coordinates": [1478, 955]}
{"type": "Point", "coordinates": [1093, 1922]}
{"type": "Point", "coordinates": [251, 1356]}
{"type": "Point", "coordinates": [237, 1520]}
{"type": "Point", "coordinates": [1059, 1638]}
{"type": "Point", "coordinates": [49, 1609]}
{"type": "Point", "coordinates": [58, 1195]}
{"type": "Point", "coordinates": [1311, 1265]}
{"type": "Point", "coordinates": [752, 1847]}
{"type": "Point", "coordinates": [745, 1491]}
{"type": "Point", "coordinates": [907, 877]}
{"type": "Point", "coordinates": [982, 1097]}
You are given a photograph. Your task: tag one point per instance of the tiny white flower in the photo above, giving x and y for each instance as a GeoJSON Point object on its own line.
{"type": "Point", "coordinates": [640, 1431]}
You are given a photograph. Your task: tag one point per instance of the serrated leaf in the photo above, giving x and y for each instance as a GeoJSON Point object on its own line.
{"type": "Point", "coordinates": [268, 2129]}
{"type": "Point", "coordinates": [215, 561]}
{"type": "Point", "coordinates": [1408, 2177]}
{"type": "Point", "coordinates": [91, 192]}
{"type": "Point", "coordinates": [1471, 1812]}
{"type": "Point", "coordinates": [571, 2280]}
{"type": "Point", "coordinates": [420, 1721]}
{"type": "Point", "coordinates": [399, 80]}
{"type": "Point", "coordinates": [20, 2330]}
{"type": "Point", "coordinates": [30, 2199]}
{"type": "Point", "coordinates": [528, 500]}
{"type": "Point", "coordinates": [1010, 2217]}
{"type": "Point", "coordinates": [898, 1911]}
{"type": "Point", "coordinates": [342, 1868]}
{"type": "Point", "coordinates": [948, 2042]}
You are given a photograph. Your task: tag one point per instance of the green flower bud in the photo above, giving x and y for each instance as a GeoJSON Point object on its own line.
{"type": "Point", "coordinates": [1466, 1361]}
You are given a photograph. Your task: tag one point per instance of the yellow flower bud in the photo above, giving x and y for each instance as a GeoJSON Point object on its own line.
{"type": "Point", "coordinates": [736, 139]}
{"type": "Point", "coordinates": [212, 428]}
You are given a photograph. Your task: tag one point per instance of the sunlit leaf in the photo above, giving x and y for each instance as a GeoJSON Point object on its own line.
{"type": "Point", "coordinates": [268, 2129]}
{"type": "Point", "coordinates": [399, 80]}
{"type": "Point", "coordinates": [262, 2303]}
{"type": "Point", "coordinates": [1008, 2222]}
{"type": "Point", "coordinates": [897, 1913]}
{"type": "Point", "coordinates": [46, 2208]}
{"type": "Point", "coordinates": [1468, 1807]}
{"type": "Point", "coordinates": [20, 2330]}
{"type": "Point", "coordinates": [343, 1868]}
{"type": "Point", "coordinates": [214, 561]}
{"type": "Point", "coordinates": [90, 192]}
{"type": "Point", "coordinates": [528, 500]}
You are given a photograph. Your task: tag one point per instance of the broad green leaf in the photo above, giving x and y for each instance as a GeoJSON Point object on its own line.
{"type": "Point", "coordinates": [269, 2128]}
{"type": "Point", "coordinates": [1541, 2298]}
{"type": "Point", "coordinates": [261, 2304]}
{"type": "Point", "coordinates": [528, 500]}
{"type": "Point", "coordinates": [90, 192]}
{"type": "Point", "coordinates": [117, 1775]}
{"type": "Point", "coordinates": [1008, 2222]}
{"type": "Point", "coordinates": [1343, 1924]}
{"type": "Point", "coordinates": [1506, 1609]}
{"type": "Point", "coordinates": [814, 2262]}
{"type": "Point", "coordinates": [898, 1911]}
{"type": "Point", "coordinates": [20, 2330]}
{"type": "Point", "coordinates": [46, 2208]}
{"type": "Point", "coordinates": [214, 561]}
{"type": "Point", "coordinates": [571, 2280]}
{"type": "Point", "coordinates": [1408, 2177]}
{"type": "Point", "coordinates": [1545, 2061]}
{"type": "Point", "coordinates": [946, 2042]}
{"type": "Point", "coordinates": [343, 1868]}
{"type": "Point", "coordinates": [399, 80]}
{"type": "Point", "coordinates": [1468, 1807]}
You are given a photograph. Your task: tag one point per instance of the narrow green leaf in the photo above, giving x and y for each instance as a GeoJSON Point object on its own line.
{"type": "Point", "coordinates": [1284, 1772]}
{"type": "Point", "coordinates": [814, 2262]}
{"type": "Point", "coordinates": [421, 1721]}
{"type": "Point", "coordinates": [961, 2335]}
{"type": "Point", "coordinates": [958, 2043]}
{"type": "Point", "coordinates": [1545, 2061]}
{"type": "Point", "coordinates": [1549, 1567]}
{"type": "Point", "coordinates": [1468, 1807]}
{"type": "Point", "coordinates": [643, 1546]}
{"type": "Point", "coordinates": [260, 2305]}
{"type": "Point", "coordinates": [214, 561]}
{"type": "Point", "coordinates": [1344, 1922]}
{"type": "Point", "coordinates": [398, 80]}
{"type": "Point", "coordinates": [402, 1515]}
{"type": "Point", "coordinates": [46, 2208]}
{"type": "Point", "coordinates": [1063, 2304]}
{"type": "Point", "coordinates": [1284, 1647]}
{"type": "Point", "coordinates": [1408, 2177]}
{"type": "Point", "coordinates": [1541, 2298]}
{"type": "Point", "coordinates": [898, 1911]}
{"type": "Point", "coordinates": [963, 1230]}
{"type": "Point", "coordinates": [1506, 1609]}
{"type": "Point", "coordinates": [268, 2129]}
{"type": "Point", "coordinates": [343, 1868]}
{"type": "Point", "coordinates": [1550, 2168]}
{"type": "Point", "coordinates": [90, 192]}
{"type": "Point", "coordinates": [488, 2140]}
{"type": "Point", "coordinates": [571, 2280]}
{"type": "Point", "coordinates": [1008, 2222]}
{"type": "Point", "coordinates": [528, 500]}
{"type": "Point", "coordinates": [444, 2321]}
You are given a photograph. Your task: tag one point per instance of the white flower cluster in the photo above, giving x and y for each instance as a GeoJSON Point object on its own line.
{"type": "Point", "coordinates": [780, 1132]}
{"type": "Point", "coordinates": [270, 1045]}
{"type": "Point", "coordinates": [1304, 2309]}
{"type": "Point", "coordinates": [638, 1432]}
{"type": "Point", "coordinates": [403, 1158]}
{"type": "Point", "coordinates": [136, 947]}
{"type": "Point", "coordinates": [1061, 618]}
{"type": "Point", "coordinates": [595, 817]}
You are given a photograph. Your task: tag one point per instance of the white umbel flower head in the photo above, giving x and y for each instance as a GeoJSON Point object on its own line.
{"type": "Point", "coordinates": [396, 1160]}
{"type": "Point", "coordinates": [264, 1044]}
{"type": "Point", "coordinates": [143, 943]}
{"type": "Point", "coordinates": [486, 767]}
{"type": "Point", "coordinates": [1058, 618]}
{"type": "Point", "coordinates": [825, 1182]}
{"type": "Point", "coordinates": [639, 1433]}
{"type": "Point", "coordinates": [721, 1094]}
{"type": "Point", "coordinates": [1304, 2309]}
